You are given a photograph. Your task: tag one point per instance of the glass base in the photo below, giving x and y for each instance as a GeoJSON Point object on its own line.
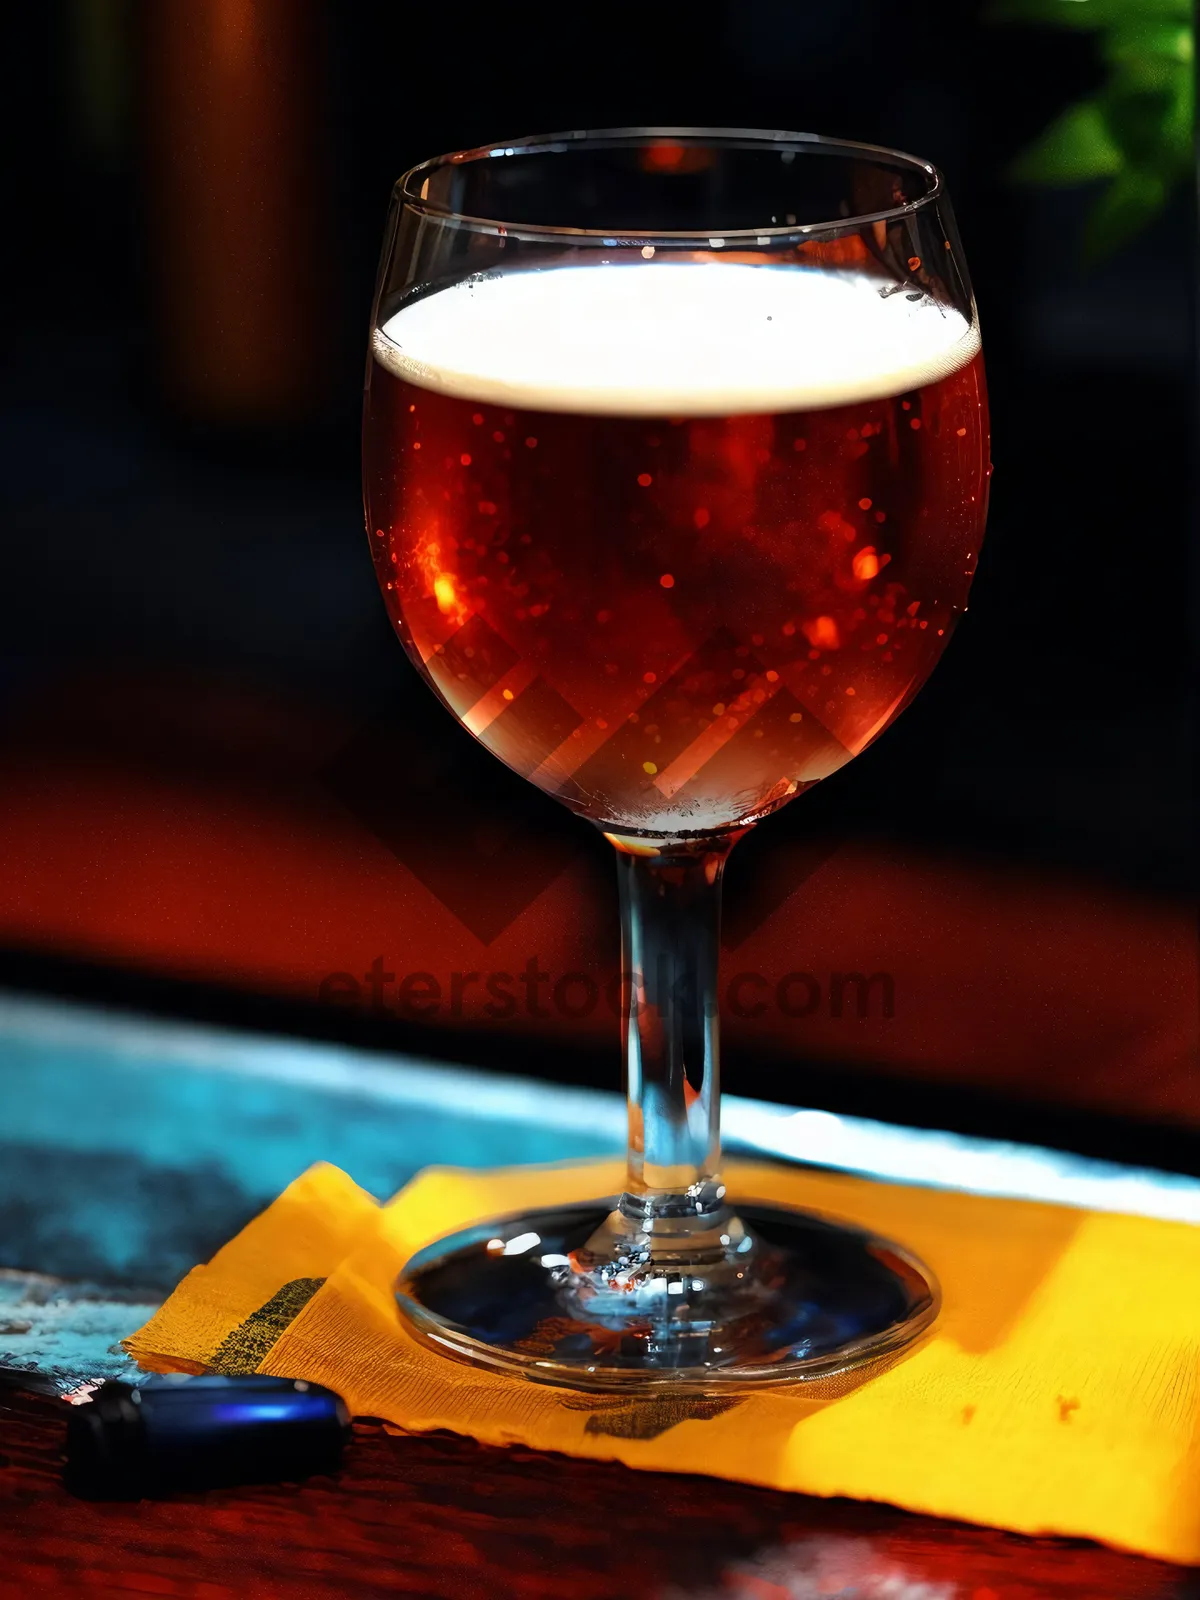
{"type": "Point", "coordinates": [577, 1296]}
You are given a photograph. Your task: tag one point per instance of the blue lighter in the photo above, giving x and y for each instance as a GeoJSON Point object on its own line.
{"type": "Point", "coordinates": [178, 1431]}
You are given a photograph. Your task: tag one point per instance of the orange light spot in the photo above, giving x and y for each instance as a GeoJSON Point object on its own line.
{"type": "Point", "coordinates": [865, 503]}
{"type": "Point", "coordinates": [914, 422]}
{"type": "Point", "coordinates": [772, 677]}
{"type": "Point", "coordinates": [667, 581]}
{"type": "Point", "coordinates": [649, 766]}
{"type": "Point", "coordinates": [849, 691]}
{"type": "Point", "coordinates": [662, 157]}
{"type": "Point", "coordinates": [719, 709]}
{"type": "Point", "coordinates": [600, 722]}
{"type": "Point", "coordinates": [412, 408]}
{"type": "Point", "coordinates": [645, 480]}
{"type": "Point", "coordinates": [865, 565]}
{"type": "Point", "coordinates": [444, 593]}
{"type": "Point", "coordinates": [913, 263]}
{"type": "Point", "coordinates": [796, 716]}
{"type": "Point", "coordinates": [379, 533]}
{"type": "Point", "coordinates": [822, 633]}
{"type": "Point", "coordinates": [960, 433]}
{"type": "Point", "coordinates": [701, 517]}
{"type": "Point", "coordinates": [508, 694]}
{"type": "Point", "coordinates": [417, 444]}
{"type": "Point", "coordinates": [647, 252]}
{"type": "Point", "coordinates": [464, 460]}
{"type": "Point", "coordinates": [649, 677]}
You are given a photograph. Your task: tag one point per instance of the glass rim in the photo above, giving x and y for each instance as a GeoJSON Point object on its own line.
{"type": "Point", "coordinates": [408, 187]}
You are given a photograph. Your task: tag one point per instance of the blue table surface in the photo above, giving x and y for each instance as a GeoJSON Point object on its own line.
{"type": "Point", "coordinates": [132, 1149]}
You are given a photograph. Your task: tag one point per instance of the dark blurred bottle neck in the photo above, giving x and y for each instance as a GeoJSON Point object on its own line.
{"type": "Point", "coordinates": [239, 225]}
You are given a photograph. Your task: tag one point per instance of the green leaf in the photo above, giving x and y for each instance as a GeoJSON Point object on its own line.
{"type": "Point", "coordinates": [1089, 13]}
{"type": "Point", "coordinates": [1179, 129]}
{"type": "Point", "coordinates": [1139, 72]}
{"type": "Point", "coordinates": [1145, 123]}
{"type": "Point", "coordinates": [1148, 39]}
{"type": "Point", "coordinates": [1132, 199]}
{"type": "Point", "coordinates": [1138, 131]}
{"type": "Point", "coordinates": [1076, 147]}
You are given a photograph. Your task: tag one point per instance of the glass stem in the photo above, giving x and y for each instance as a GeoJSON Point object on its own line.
{"type": "Point", "coordinates": [670, 940]}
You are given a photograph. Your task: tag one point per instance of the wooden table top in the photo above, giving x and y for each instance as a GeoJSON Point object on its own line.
{"type": "Point", "coordinates": [445, 1518]}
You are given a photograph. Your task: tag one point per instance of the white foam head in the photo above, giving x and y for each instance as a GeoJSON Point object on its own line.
{"type": "Point", "coordinates": [671, 340]}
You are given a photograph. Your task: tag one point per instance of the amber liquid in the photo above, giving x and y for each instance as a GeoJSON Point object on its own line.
{"type": "Point", "coordinates": [676, 624]}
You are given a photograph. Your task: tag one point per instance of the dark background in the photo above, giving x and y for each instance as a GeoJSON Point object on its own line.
{"type": "Point", "coordinates": [187, 589]}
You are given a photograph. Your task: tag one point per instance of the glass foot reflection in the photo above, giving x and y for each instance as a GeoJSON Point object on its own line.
{"type": "Point", "coordinates": [786, 1297]}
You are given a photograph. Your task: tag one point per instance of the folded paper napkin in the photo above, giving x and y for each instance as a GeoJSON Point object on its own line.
{"type": "Point", "coordinates": [1058, 1393]}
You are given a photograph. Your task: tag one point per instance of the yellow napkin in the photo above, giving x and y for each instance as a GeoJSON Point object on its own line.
{"type": "Point", "coordinates": [1058, 1393]}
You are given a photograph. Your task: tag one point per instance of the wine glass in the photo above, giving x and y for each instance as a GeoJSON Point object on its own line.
{"type": "Point", "coordinates": [675, 474]}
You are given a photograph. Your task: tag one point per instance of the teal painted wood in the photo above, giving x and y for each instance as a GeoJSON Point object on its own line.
{"type": "Point", "coordinates": [129, 1151]}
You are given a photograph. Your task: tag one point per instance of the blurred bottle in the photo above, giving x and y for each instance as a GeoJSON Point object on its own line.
{"type": "Point", "coordinates": [239, 230]}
